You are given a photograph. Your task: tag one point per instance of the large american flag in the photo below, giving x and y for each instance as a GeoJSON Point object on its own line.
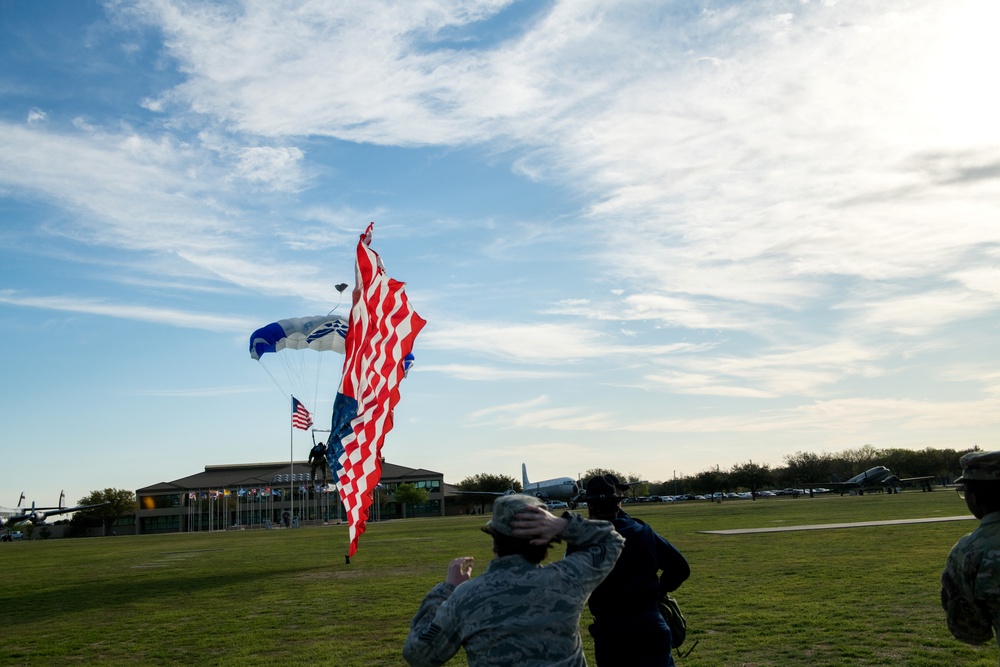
{"type": "Point", "coordinates": [300, 416]}
{"type": "Point", "coordinates": [381, 332]}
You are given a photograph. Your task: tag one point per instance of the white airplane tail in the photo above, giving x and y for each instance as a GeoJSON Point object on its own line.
{"type": "Point", "coordinates": [524, 477]}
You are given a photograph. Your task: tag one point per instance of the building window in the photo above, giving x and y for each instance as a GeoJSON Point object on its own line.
{"type": "Point", "coordinates": [160, 502]}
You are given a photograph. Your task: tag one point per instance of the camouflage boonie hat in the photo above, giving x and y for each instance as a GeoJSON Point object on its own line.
{"type": "Point", "coordinates": [980, 467]}
{"type": "Point", "coordinates": [504, 509]}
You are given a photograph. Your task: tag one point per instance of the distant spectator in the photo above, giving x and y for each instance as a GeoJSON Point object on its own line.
{"type": "Point", "coordinates": [518, 612]}
{"type": "Point", "coordinates": [970, 583]}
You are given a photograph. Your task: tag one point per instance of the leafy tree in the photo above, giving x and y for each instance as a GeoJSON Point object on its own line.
{"type": "Point", "coordinates": [806, 468]}
{"type": "Point", "coordinates": [485, 481]}
{"type": "Point", "coordinates": [711, 480]}
{"type": "Point", "coordinates": [488, 484]}
{"type": "Point", "coordinates": [117, 503]}
{"type": "Point", "coordinates": [751, 476]}
{"type": "Point", "coordinates": [409, 494]}
{"type": "Point", "coordinates": [862, 458]}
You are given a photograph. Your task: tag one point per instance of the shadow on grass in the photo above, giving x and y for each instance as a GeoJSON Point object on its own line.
{"type": "Point", "coordinates": [124, 591]}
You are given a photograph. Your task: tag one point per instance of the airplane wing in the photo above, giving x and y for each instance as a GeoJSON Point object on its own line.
{"type": "Point", "coordinates": [66, 510]}
{"type": "Point", "coordinates": [39, 514]}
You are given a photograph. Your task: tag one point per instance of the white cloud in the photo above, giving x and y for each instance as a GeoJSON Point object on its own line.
{"type": "Point", "coordinates": [476, 372]}
{"type": "Point", "coordinates": [36, 116]}
{"type": "Point", "coordinates": [533, 415]}
{"type": "Point", "coordinates": [168, 316]}
{"type": "Point", "coordinates": [275, 168]}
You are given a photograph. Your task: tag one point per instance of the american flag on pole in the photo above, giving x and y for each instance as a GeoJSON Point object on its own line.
{"type": "Point", "coordinates": [300, 416]}
{"type": "Point", "coordinates": [380, 334]}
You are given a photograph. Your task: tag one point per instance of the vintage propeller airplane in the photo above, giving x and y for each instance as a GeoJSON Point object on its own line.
{"type": "Point", "coordinates": [11, 516]}
{"type": "Point", "coordinates": [877, 478]}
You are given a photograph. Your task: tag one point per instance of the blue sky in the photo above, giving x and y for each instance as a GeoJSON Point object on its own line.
{"type": "Point", "coordinates": [651, 236]}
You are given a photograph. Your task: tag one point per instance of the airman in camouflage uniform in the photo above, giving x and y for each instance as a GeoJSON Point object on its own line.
{"type": "Point", "coordinates": [518, 612]}
{"type": "Point", "coordinates": [970, 583]}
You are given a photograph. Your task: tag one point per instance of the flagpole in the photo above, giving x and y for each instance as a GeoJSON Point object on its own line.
{"type": "Point", "coordinates": [291, 468]}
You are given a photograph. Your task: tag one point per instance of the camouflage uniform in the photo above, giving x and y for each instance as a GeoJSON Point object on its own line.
{"type": "Point", "coordinates": [517, 612]}
{"type": "Point", "coordinates": [970, 583]}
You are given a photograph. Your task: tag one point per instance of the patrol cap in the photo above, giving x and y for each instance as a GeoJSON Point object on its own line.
{"type": "Point", "coordinates": [504, 509]}
{"type": "Point", "coordinates": [604, 487]}
{"type": "Point", "coordinates": [980, 467]}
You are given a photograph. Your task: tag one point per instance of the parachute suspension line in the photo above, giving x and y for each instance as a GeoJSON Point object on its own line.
{"type": "Point", "coordinates": [277, 384]}
{"type": "Point", "coordinates": [315, 396]}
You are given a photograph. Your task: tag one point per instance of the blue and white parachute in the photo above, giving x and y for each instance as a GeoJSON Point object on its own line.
{"type": "Point", "coordinates": [321, 333]}
{"type": "Point", "coordinates": [295, 353]}
{"type": "Point", "coordinates": [286, 350]}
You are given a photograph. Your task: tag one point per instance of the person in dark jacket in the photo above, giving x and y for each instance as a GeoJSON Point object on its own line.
{"type": "Point", "coordinates": [317, 461]}
{"type": "Point", "coordinates": [628, 628]}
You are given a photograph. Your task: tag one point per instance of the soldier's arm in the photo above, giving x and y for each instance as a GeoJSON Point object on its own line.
{"type": "Point", "coordinates": [434, 634]}
{"type": "Point", "coordinates": [967, 620]}
{"type": "Point", "coordinates": [594, 549]}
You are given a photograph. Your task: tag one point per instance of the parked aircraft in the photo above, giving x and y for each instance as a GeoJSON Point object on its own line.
{"type": "Point", "coordinates": [877, 478]}
{"type": "Point", "coordinates": [557, 488]}
{"type": "Point", "coordinates": [12, 516]}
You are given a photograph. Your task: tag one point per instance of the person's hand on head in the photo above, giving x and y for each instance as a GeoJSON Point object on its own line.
{"type": "Point", "coordinates": [538, 525]}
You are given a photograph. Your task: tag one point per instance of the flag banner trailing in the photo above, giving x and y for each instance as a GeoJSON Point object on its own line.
{"type": "Point", "coordinates": [380, 335]}
{"type": "Point", "coordinates": [300, 416]}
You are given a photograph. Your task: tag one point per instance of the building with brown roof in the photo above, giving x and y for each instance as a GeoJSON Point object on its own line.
{"type": "Point", "coordinates": [268, 495]}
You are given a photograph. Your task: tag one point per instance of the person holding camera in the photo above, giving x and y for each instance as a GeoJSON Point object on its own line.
{"type": "Point", "coordinates": [518, 612]}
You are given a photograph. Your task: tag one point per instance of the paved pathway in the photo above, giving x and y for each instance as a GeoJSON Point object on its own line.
{"type": "Point", "coordinates": [824, 526]}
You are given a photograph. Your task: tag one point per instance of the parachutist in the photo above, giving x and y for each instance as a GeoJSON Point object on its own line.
{"type": "Point", "coordinates": [347, 560]}
{"type": "Point", "coordinates": [341, 287]}
{"type": "Point", "coordinates": [317, 460]}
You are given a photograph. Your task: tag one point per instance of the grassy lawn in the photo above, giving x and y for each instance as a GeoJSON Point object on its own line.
{"type": "Point", "coordinates": [858, 596]}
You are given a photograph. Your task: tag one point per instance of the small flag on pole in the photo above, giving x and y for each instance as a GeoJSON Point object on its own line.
{"type": "Point", "coordinates": [300, 416]}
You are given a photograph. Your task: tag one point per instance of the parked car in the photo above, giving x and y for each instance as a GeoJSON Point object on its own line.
{"type": "Point", "coordinates": [556, 505]}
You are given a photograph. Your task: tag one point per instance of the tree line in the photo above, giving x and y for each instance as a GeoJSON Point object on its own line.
{"type": "Point", "coordinates": [801, 470]}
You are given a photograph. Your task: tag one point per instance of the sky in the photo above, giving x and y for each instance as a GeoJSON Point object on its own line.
{"type": "Point", "coordinates": [656, 237]}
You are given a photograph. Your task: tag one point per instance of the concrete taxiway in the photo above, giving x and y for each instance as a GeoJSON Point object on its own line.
{"type": "Point", "coordinates": [825, 526]}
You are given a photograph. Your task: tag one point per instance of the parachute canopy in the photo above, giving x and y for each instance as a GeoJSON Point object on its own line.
{"type": "Point", "coordinates": [321, 333]}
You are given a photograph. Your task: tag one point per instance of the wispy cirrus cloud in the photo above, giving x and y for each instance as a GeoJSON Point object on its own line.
{"type": "Point", "coordinates": [167, 316]}
{"type": "Point", "coordinates": [534, 413]}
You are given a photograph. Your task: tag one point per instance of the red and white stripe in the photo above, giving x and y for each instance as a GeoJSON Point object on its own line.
{"type": "Point", "coordinates": [300, 416]}
{"type": "Point", "coordinates": [382, 329]}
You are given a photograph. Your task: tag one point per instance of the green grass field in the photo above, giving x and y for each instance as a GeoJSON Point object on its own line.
{"type": "Point", "coordinates": [858, 596]}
